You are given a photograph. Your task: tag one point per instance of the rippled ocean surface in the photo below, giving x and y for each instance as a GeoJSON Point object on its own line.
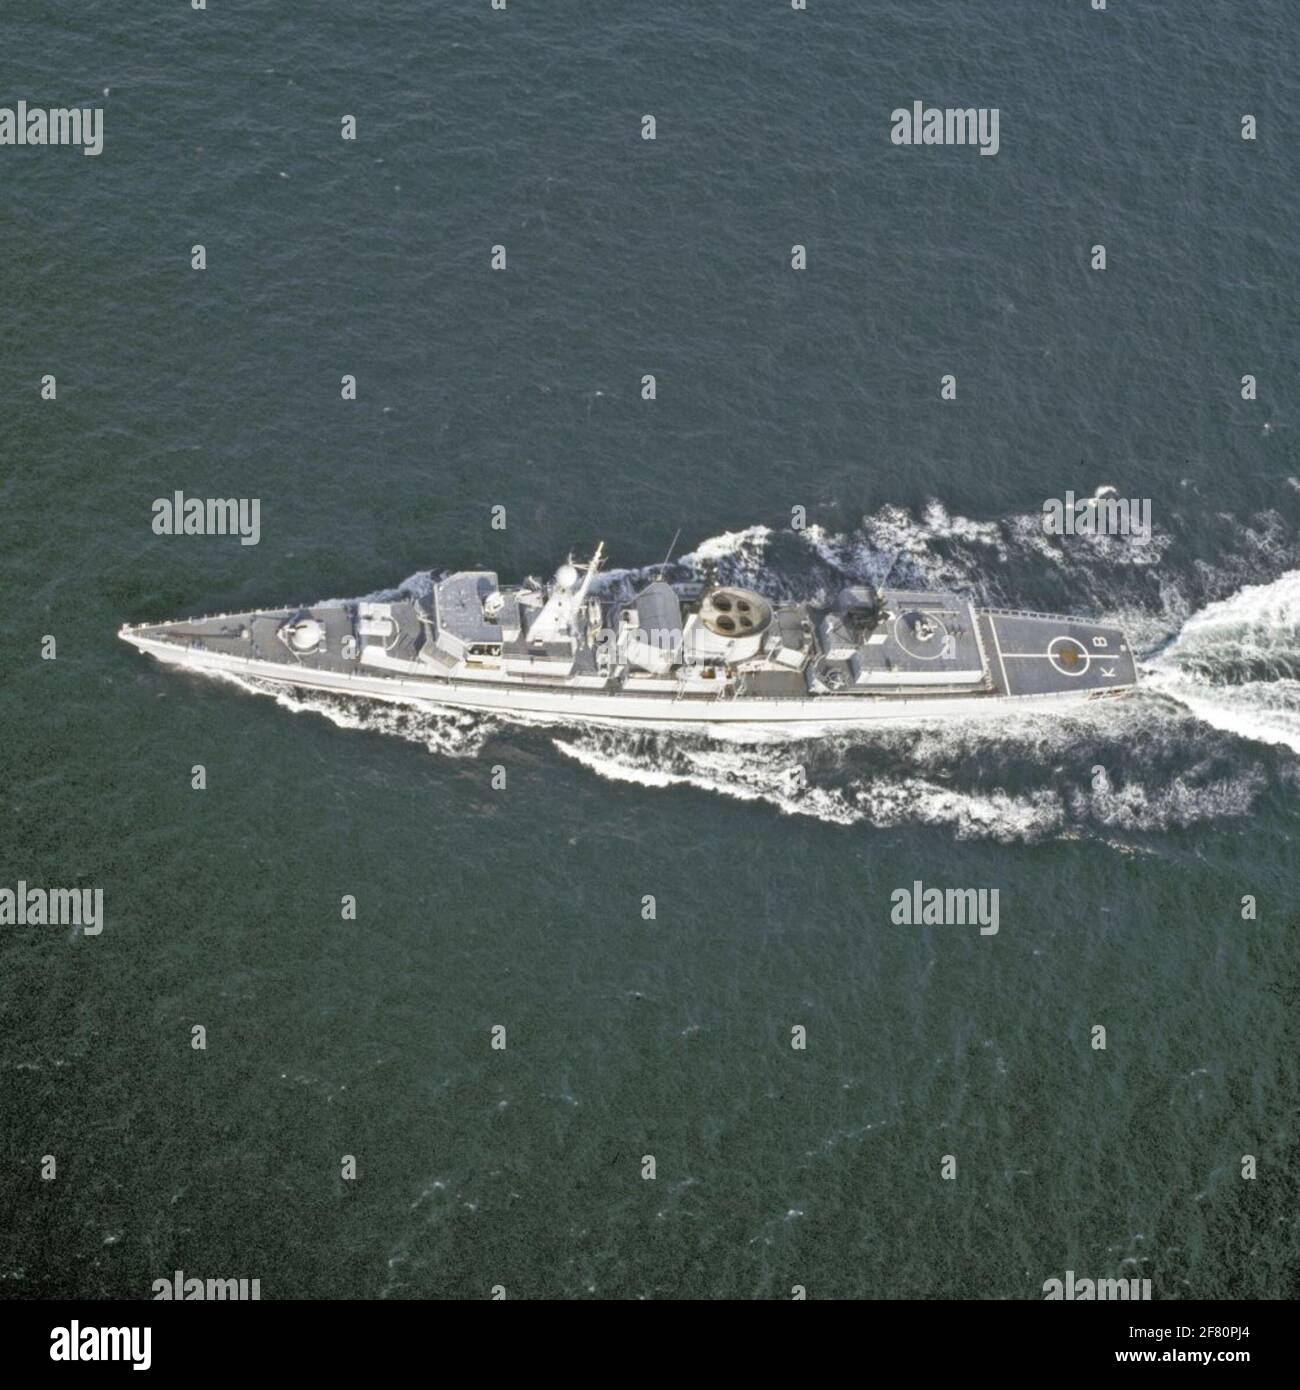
{"type": "Point", "coordinates": [1121, 895]}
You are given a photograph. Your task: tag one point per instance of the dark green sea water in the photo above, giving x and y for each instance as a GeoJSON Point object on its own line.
{"type": "Point", "coordinates": [522, 907]}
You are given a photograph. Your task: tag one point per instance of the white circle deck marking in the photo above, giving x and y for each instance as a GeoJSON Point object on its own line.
{"type": "Point", "coordinates": [1057, 645]}
{"type": "Point", "coordinates": [932, 648]}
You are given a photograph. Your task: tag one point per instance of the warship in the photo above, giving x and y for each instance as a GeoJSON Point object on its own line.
{"type": "Point", "coordinates": [655, 653]}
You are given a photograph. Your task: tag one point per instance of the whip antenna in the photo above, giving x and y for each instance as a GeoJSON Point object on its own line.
{"type": "Point", "coordinates": [663, 564]}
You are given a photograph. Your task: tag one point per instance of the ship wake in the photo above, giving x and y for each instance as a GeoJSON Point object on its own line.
{"type": "Point", "coordinates": [1236, 664]}
{"type": "Point", "coordinates": [446, 732]}
{"type": "Point", "coordinates": [1119, 775]}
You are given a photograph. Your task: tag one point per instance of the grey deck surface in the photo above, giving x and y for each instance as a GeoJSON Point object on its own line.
{"type": "Point", "coordinates": [1030, 655]}
{"type": "Point", "coordinates": [953, 647]}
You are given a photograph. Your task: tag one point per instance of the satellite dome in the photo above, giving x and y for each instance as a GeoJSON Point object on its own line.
{"type": "Point", "coordinates": [305, 635]}
{"type": "Point", "coordinates": [566, 577]}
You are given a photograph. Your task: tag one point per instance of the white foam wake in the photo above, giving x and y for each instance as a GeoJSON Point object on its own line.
{"type": "Point", "coordinates": [452, 733]}
{"type": "Point", "coordinates": [828, 786]}
{"type": "Point", "coordinates": [1235, 664]}
{"type": "Point", "coordinates": [743, 774]}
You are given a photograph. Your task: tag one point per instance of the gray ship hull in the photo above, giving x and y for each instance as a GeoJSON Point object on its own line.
{"type": "Point", "coordinates": [695, 654]}
{"type": "Point", "coordinates": [1020, 654]}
